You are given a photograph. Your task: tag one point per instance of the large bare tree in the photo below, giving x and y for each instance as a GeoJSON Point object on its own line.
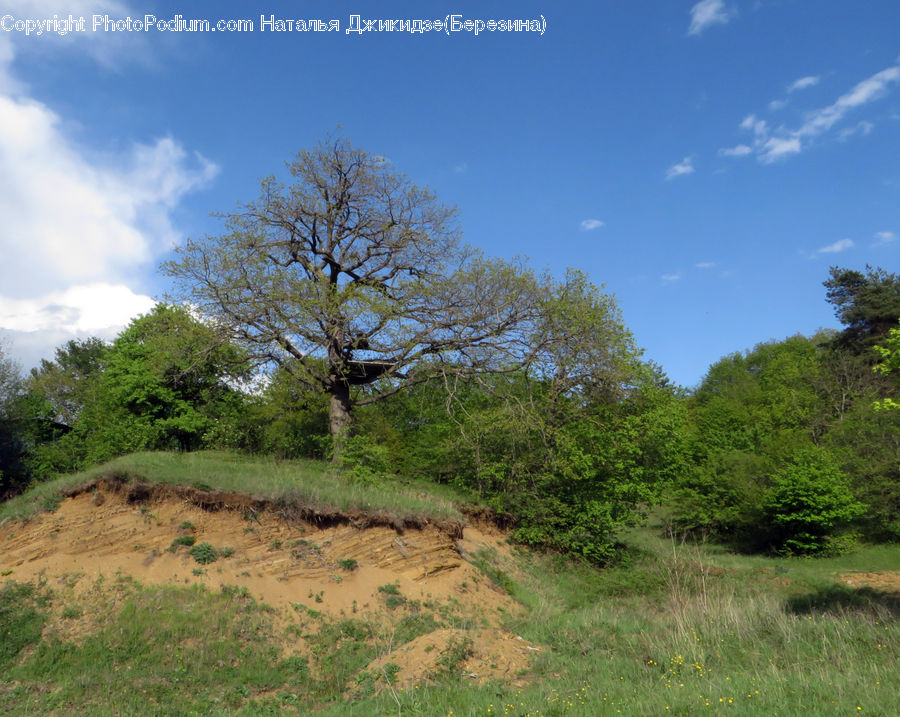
{"type": "Point", "coordinates": [353, 277]}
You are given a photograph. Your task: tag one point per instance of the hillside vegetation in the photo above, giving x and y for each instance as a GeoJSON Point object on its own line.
{"type": "Point", "coordinates": [676, 628]}
{"type": "Point", "coordinates": [362, 465]}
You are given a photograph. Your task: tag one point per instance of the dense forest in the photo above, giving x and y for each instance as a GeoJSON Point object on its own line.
{"type": "Point", "coordinates": [528, 392]}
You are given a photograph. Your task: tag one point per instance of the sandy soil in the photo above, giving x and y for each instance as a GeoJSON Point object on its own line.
{"type": "Point", "coordinates": [284, 563]}
{"type": "Point", "coordinates": [886, 580]}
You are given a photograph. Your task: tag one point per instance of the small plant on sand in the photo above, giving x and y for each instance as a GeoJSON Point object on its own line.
{"type": "Point", "coordinates": [348, 564]}
{"type": "Point", "coordinates": [182, 540]}
{"type": "Point", "coordinates": [453, 656]}
{"type": "Point", "coordinates": [204, 553]}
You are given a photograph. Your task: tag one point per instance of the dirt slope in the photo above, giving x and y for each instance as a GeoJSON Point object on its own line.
{"type": "Point", "coordinates": [299, 567]}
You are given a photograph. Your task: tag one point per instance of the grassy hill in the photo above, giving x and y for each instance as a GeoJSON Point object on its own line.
{"type": "Point", "coordinates": [269, 627]}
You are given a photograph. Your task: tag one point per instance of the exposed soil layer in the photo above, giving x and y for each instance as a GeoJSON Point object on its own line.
{"type": "Point", "coordinates": [302, 564]}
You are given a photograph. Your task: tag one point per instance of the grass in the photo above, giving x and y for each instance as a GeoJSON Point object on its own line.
{"type": "Point", "coordinates": [676, 629]}
{"type": "Point", "coordinates": [309, 484]}
{"type": "Point", "coordinates": [679, 629]}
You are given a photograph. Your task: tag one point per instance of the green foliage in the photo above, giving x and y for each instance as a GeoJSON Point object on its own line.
{"type": "Point", "coordinates": [365, 461]}
{"type": "Point", "coordinates": [182, 540]}
{"type": "Point", "coordinates": [570, 467]}
{"type": "Point", "coordinates": [204, 553]}
{"type": "Point", "coordinates": [162, 384]}
{"type": "Point", "coordinates": [348, 564]}
{"type": "Point", "coordinates": [22, 617]}
{"type": "Point", "coordinates": [867, 304]}
{"type": "Point", "coordinates": [890, 362]}
{"type": "Point", "coordinates": [754, 414]}
{"type": "Point", "coordinates": [809, 505]}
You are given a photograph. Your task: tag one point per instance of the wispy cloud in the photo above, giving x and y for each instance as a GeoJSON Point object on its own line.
{"type": "Point", "coordinates": [883, 238]}
{"type": "Point", "coordinates": [738, 151]}
{"type": "Point", "coordinates": [684, 167]}
{"type": "Point", "coordinates": [670, 277]}
{"type": "Point", "coordinates": [705, 265]}
{"type": "Point", "coordinates": [591, 224]}
{"type": "Point", "coordinates": [803, 83]}
{"type": "Point", "coordinates": [863, 127]}
{"type": "Point", "coordinates": [709, 12]}
{"type": "Point", "coordinates": [837, 247]}
{"type": "Point", "coordinates": [776, 105]}
{"type": "Point", "coordinates": [461, 167]}
{"type": "Point", "coordinates": [866, 91]}
{"type": "Point", "coordinates": [776, 148]}
{"type": "Point", "coordinates": [774, 144]}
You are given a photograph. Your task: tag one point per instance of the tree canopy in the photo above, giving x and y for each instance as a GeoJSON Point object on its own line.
{"type": "Point", "coordinates": [868, 304]}
{"type": "Point", "coordinates": [354, 280]}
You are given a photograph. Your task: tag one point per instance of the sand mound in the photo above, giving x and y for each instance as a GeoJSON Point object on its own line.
{"type": "Point", "coordinates": [301, 567]}
{"type": "Point", "coordinates": [492, 655]}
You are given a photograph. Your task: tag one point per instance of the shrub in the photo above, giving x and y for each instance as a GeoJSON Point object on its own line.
{"type": "Point", "coordinates": [809, 506]}
{"type": "Point", "coordinates": [204, 553]}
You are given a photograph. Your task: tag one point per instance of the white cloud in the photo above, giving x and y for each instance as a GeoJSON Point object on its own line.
{"type": "Point", "coordinates": [106, 48]}
{"type": "Point", "coordinates": [670, 277]}
{"type": "Point", "coordinates": [709, 12]}
{"type": "Point", "coordinates": [684, 167]}
{"type": "Point", "coordinates": [77, 309]}
{"type": "Point", "coordinates": [77, 225]}
{"type": "Point", "coordinates": [773, 144]}
{"type": "Point", "coordinates": [68, 219]}
{"type": "Point", "coordinates": [884, 238]}
{"type": "Point", "coordinates": [803, 83]}
{"type": "Point", "coordinates": [740, 150]}
{"type": "Point", "coordinates": [776, 105]}
{"type": "Point", "coordinates": [758, 126]}
{"type": "Point", "coordinates": [776, 148]}
{"type": "Point", "coordinates": [862, 127]}
{"type": "Point", "coordinates": [461, 167]}
{"type": "Point", "coordinates": [590, 224]}
{"type": "Point", "coordinates": [836, 247]}
{"type": "Point", "coordinates": [705, 265]}
{"type": "Point", "coordinates": [866, 91]}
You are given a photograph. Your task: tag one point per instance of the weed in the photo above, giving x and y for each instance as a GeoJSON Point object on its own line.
{"type": "Point", "coordinates": [226, 552]}
{"type": "Point", "coordinates": [390, 671]}
{"type": "Point", "coordinates": [348, 564]}
{"type": "Point", "coordinates": [275, 545]}
{"type": "Point", "coordinates": [187, 525]}
{"type": "Point", "coordinates": [204, 553]}
{"type": "Point", "coordinates": [182, 540]}
{"type": "Point", "coordinates": [389, 589]}
{"type": "Point", "coordinates": [198, 571]}
{"type": "Point", "coordinates": [454, 655]}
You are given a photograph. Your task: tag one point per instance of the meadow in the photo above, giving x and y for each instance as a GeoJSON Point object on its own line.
{"type": "Point", "coordinates": [676, 628]}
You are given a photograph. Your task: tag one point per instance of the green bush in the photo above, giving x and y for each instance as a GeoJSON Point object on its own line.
{"type": "Point", "coordinates": [204, 553]}
{"type": "Point", "coordinates": [809, 506]}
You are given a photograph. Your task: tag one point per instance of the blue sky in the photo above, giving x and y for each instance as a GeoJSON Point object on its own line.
{"type": "Point", "coordinates": [705, 161]}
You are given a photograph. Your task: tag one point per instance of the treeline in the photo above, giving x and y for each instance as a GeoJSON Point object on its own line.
{"type": "Point", "coordinates": [780, 448]}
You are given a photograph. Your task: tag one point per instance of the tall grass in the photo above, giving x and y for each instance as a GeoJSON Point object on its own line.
{"type": "Point", "coordinates": [306, 483]}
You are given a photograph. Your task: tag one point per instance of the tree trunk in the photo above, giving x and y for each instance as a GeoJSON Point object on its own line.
{"type": "Point", "coordinates": [339, 418]}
